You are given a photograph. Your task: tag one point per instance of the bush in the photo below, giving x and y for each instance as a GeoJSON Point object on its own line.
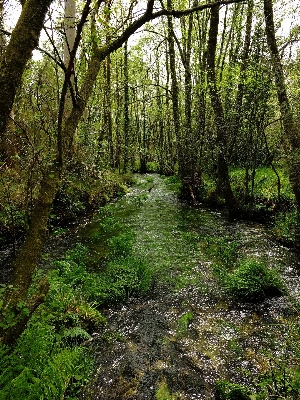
{"type": "Point", "coordinates": [253, 280]}
{"type": "Point", "coordinates": [49, 360]}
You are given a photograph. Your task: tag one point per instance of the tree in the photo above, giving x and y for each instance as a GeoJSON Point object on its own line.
{"type": "Point", "coordinates": [290, 129]}
{"type": "Point", "coordinates": [24, 39]}
{"type": "Point", "coordinates": [223, 184]}
{"type": "Point", "coordinates": [2, 34]}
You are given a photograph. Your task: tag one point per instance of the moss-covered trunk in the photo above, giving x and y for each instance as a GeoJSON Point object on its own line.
{"type": "Point", "coordinates": [16, 299]}
{"type": "Point", "coordinates": [223, 184]}
{"type": "Point", "coordinates": [18, 52]}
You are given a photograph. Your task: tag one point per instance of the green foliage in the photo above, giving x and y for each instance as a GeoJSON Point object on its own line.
{"type": "Point", "coordinates": [184, 321]}
{"type": "Point", "coordinates": [109, 224]}
{"type": "Point", "coordinates": [231, 391]}
{"type": "Point", "coordinates": [265, 185]}
{"type": "Point", "coordinates": [223, 250]}
{"type": "Point", "coordinates": [174, 183]}
{"type": "Point", "coordinates": [121, 245]}
{"type": "Point", "coordinates": [49, 360]}
{"type": "Point", "coordinates": [119, 280]}
{"type": "Point", "coordinates": [163, 392]}
{"type": "Point", "coordinates": [122, 276]}
{"type": "Point", "coordinates": [9, 317]}
{"type": "Point", "coordinates": [40, 367]}
{"type": "Point", "coordinates": [281, 380]}
{"type": "Point", "coordinates": [152, 166]}
{"type": "Point", "coordinates": [140, 199]}
{"type": "Point", "coordinates": [253, 280]}
{"type": "Point", "coordinates": [246, 280]}
{"type": "Point", "coordinates": [286, 226]}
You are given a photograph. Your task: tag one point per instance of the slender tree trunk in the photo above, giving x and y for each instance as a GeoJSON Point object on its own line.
{"type": "Point", "coordinates": [174, 88]}
{"type": "Point", "coordinates": [189, 177]}
{"type": "Point", "coordinates": [18, 52]}
{"type": "Point", "coordinates": [70, 35]}
{"type": "Point", "coordinates": [201, 87]}
{"type": "Point", "coordinates": [223, 183]}
{"type": "Point", "coordinates": [290, 129]}
{"type": "Point", "coordinates": [126, 109]}
{"type": "Point", "coordinates": [107, 110]}
{"type": "Point", "coordinates": [2, 35]}
{"type": "Point", "coordinates": [236, 118]}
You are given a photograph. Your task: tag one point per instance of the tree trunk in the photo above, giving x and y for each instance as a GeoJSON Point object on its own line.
{"type": "Point", "coordinates": [290, 129]}
{"type": "Point", "coordinates": [190, 179]}
{"type": "Point", "coordinates": [70, 35]}
{"type": "Point", "coordinates": [26, 261]}
{"type": "Point", "coordinates": [18, 52]}
{"type": "Point", "coordinates": [126, 109]}
{"type": "Point", "coordinates": [107, 110]}
{"type": "Point", "coordinates": [2, 35]}
{"type": "Point", "coordinates": [174, 88]}
{"type": "Point", "coordinates": [223, 183]}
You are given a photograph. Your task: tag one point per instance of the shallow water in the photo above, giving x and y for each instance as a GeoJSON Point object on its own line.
{"type": "Point", "coordinates": [151, 349]}
{"type": "Point", "coordinates": [186, 334]}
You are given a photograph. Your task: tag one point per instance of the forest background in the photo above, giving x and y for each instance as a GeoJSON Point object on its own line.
{"type": "Point", "coordinates": [207, 92]}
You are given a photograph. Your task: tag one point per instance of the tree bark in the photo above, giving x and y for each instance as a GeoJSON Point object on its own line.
{"type": "Point", "coordinates": [290, 129]}
{"type": "Point", "coordinates": [174, 88]}
{"type": "Point", "coordinates": [18, 52]}
{"type": "Point", "coordinates": [2, 35]}
{"type": "Point", "coordinates": [189, 177]}
{"type": "Point", "coordinates": [223, 183]}
{"type": "Point", "coordinates": [126, 125]}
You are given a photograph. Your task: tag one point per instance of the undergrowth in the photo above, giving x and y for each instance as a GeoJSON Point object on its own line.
{"type": "Point", "coordinates": [51, 359]}
{"type": "Point", "coordinates": [245, 279]}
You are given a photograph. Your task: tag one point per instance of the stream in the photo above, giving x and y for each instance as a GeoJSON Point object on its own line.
{"type": "Point", "coordinates": [186, 333]}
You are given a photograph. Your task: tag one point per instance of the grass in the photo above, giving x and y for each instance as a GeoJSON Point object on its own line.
{"type": "Point", "coordinates": [286, 227]}
{"type": "Point", "coordinates": [224, 251]}
{"type": "Point", "coordinates": [245, 279]}
{"type": "Point", "coordinates": [163, 392]}
{"type": "Point", "coordinates": [184, 321]}
{"type": "Point", "coordinates": [253, 280]}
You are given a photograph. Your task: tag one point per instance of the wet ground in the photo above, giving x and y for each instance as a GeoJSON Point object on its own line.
{"type": "Point", "coordinates": [187, 334]}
